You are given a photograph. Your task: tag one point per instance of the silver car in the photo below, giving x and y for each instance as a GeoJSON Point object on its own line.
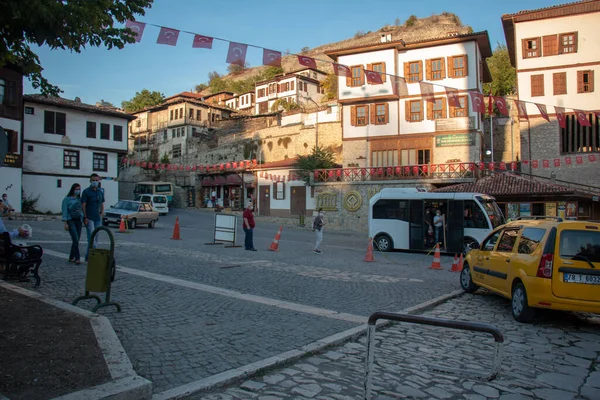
{"type": "Point", "coordinates": [135, 213]}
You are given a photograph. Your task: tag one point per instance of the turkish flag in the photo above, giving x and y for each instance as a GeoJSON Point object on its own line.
{"type": "Point", "coordinates": [194, 168]}
{"type": "Point", "coordinates": [560, 116]}
{"type": "Point", "coordinates": [582, 118]}
{"type": "Point", "coordinates": [481, 166]}
{"type": "Point", "coordinates": [202, 42]}
{"type": "Point", "coordinates": [534, 163]}
{"type": "Point", "coordinates": [513, 166]}
{"type": "Point", "coordinates": [592, 158]}
{"type": "Point", "coordinates": [168, 36]}
{"type": "Point", "coordinates": [477, 101]}
{"type": "Point", "coordinates": [373, 77]}
{"type": "Point", "coordinates": [307, 62]}
{"type": "Point", "coordinates": [557, 162]}
{"type": "Point", "coordinates": [545, 163]}
{"type": "Point", "coordinates": [237, 53]}
{"type": "Point", "coordinates": [579, 160]}
{"type": "Point", "coordinates": [490, 104]}
{"type": "Point", "coordinates": [125, 160]}
{"type": "Point", "coordinates": [137, 28]}
{"type": "Point", "coordinates": [502, 165]}
{"type": "Point", "coordinates": [500, 103]}
{"type": "Point", "coordinates": [522, 109]}
{"type": "Point", "coordinates": [452, 94]}
{"type": "Point", "coordinates": [272, 58]}
{"type": "Point", "coordinates": [543, 111]}
{"type": "Point", "coordinates": [491, 166]}
{"type": "Point", "coordinates": [143, 164]}
{"type": "Point", "coordinates": [399, 87]}
{"type": "Point", "coordinates": [426, 91]}
{"type": "Point", "coordinates": [187, 168]}
{"type": "Point", "coordinates": [342, 70]}
{"type": "Point", "coordinates": [568, 160]}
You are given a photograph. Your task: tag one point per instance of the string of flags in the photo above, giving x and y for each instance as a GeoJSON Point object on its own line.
{"type": "Point", "coordinates": [236, 54]}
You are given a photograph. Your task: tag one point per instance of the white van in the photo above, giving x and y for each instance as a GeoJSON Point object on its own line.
{"type": "Point", "coordinates": [159, 202]}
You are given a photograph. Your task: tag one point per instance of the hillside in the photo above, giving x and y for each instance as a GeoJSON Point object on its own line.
{"type": "Point", "coordinates": [412, 30]}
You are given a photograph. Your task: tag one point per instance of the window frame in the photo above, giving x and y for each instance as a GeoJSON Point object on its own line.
{"type": "Point", "coordinates": [453, 70]}
{"type": "Point", "coordinates": [355, 81]}
{"type": "Point", "coordinates": [74, 155]}
{"type": "Point", "coordinates": [465, 106]}
{"type": "Point", "coordinates": [55, 122]}
{"type": "Point", "coordinates": [581, 84]}
{"type": "Point", "coordinates": [562, 46]}
{"type": "Point", "coordinates": [102, 158]}
{"type": "Point", "coordinates": [177, 149]}
{"type": "Point", "coordinates": [537, 85]}
{"type": "Point", "coordinates": [88, 129]}
{"type": "Point", "coordinates": [528, 53]}
{"type": "Point", "coordinates": [431, 73]}
{"type": "Point", "coordinates": [104, 131]}
{"type": "Point", "coordinates": [359, 119]}
{"type": "Point", "coordinates": [561, 78]}
{"type": "Point", "coordinates": [379, 67]}
{"type": "Point", "coordinates": [117, 132]}
{"type": "Point", "coordinates": [414, 77]}
{"type": "Point", "coordinates": [279, 190]}
{"type": "Point", "coordinates": [377, 118]}
{"type": "Point", "coordinates": [411, 113]}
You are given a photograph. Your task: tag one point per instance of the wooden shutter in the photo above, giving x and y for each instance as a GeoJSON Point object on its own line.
{"type": "Point", "coordinates": [383, 73]}
{"type": "Point", "coordinates": [387, 113]}
{"type": "Point", "coordinates": [451, 67]}
{"type": "Point", "coordinates": [466, 64]}
{"type": "Point", "coordinates": [550, 45]}
{"type": "Point", "coordinates": [420, 70]}
{"type": "Point", "coordinates": [421, 114]}
{"type": "Point", "coordinates": [466, 105]}
{"type": "Point", "coordinates": [444, 107]}
{"type": "Point", "coordinates": [406, 109]}
{"type": "Point", "coordinates": [373, 114]}
{"type": "Point", "coordinates": [452, 110]}
{"type": "Point", "coordinates": [430, 109]}
{"type": "Point", "coordinates": [292, 85]}
{"type": "Point", "coordinates": [13, 141]}
{"type": "Point", "coordinates": [48, 122]}
{"type": "Point", "coordinates": [353, 115]}
{"type": "Point", "coordinates": [406, 70]}
{"type": "Point", "coordinates": [580, 81]}
{"type": "Point", "coordinates": [369, 68]}
{"type": "Point", "coordinates": [349, 79]}
{"type": "Point", "coordinates": [591, 80]}
{"type": "Point", "coordinates": [61, 123]}
{"type": "Point", "coordinates": [443, 64]}
{"type": "Point", "coordinates": [574, 42]}
{"type": "Point", "coordinates": [428, 69]}
{"type": "Point", "coordinates": [362, 76]}
{"type": "Point", "coordinates": [524, 48]}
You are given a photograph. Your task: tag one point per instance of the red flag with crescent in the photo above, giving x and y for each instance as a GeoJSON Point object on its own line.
{"type": "Point", "coordinates": [342, 70]}
{"type": "Point", "coordinates": [272, 58]}
{"type": "Point", "coordinates": [522, 109]}
{"type": "Point", "coordinates": [500, 103]}
{"type": "Point", "coordinates": [137, 28]}
{"type": "Point", "coordinates": [237, 53]}
{"type": "Point", "coordinates": [168, 36]}
{"type": "Point", "coordinates": [202, 42]}
{"type": "Point", "coordinates": [307, 62]}
{"type": "Point", "coordinates": [373, 77]}
{"type": "Point", "coordinates": [560, 116]}
{"type": "Point", "coordinates": [582, 118]}
{"type": "Point", "coordinates": [477, 101]}
{"type": "Point", "coordinates": [399, 86]}
{"type": "Point", "coordinates": [543, 111]}
{"type": "Point", "coordinates": [452, 95]}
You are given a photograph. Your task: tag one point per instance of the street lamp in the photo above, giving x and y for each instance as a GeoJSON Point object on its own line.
{"type": "Point", "coordinates": [316, 121]}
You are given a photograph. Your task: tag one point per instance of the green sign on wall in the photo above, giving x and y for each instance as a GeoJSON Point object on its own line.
{"type": "Point", "coordinates": [459, 139]}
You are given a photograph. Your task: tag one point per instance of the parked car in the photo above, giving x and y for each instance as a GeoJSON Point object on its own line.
{"type": "Point", "coordinates": [159, 202]}
{"type": "Point", "coordinates": [539, 262]}
{"type": "Point", "coordinates": [135, 212]}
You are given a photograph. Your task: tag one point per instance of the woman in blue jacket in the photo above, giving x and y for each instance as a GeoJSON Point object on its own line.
{"type": "Point", "coordinates": [72, 216]}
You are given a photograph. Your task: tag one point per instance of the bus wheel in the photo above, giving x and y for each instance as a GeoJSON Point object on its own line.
{"type": "Point", "coordinates": [469, 244]}
{"type": "Point", "coordinates": [384, 243]}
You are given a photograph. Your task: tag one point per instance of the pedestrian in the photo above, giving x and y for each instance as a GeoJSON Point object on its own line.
{"type": "Point", "coordinates": [438, 223]}
{"type": "Point", "coordinates": [72, 216]}
{"type": "Point", "coordinates": [92, 203]}
{"type": "Point", "coordinates": [21, 232]}
{"type": "Point", "coordinates": [318, 224]}
{"type": "Point", "coordinates": [8, 208]}
{"type": "Point", "coordinates": [248, 226]}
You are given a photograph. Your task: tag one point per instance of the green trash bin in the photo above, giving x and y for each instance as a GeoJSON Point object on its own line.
{"type": "Point", "coordinates": [97, 270]}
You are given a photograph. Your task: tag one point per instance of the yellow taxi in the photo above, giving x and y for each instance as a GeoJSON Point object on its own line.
{"type": "Point", "coordinates": [539, 262]}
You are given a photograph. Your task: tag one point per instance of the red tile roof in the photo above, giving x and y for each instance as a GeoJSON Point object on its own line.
{"type": "Point", "coordinates": [288, 162]}
{"type": "Point", "coordinates": [507, 184]}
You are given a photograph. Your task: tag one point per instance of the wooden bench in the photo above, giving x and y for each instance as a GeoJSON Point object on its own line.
{"type": "Point", "coordinates": [19, 261]}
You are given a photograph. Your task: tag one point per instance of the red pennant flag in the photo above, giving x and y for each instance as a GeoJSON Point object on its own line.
{"type": "Point", "coordinates": [543, 111]}
{"type": "Point", "coordinates": [426, 91]}
{"type": "Point", "coordinates": [592, 158]}
{"type": "Point", "coordinates": [534, 163]}
{"type": "Point", "coordinates": [503, 166]}
{"type": "Point", "coordinates": [125, 160]}
{"type": "Point", "coordinates": [149, 165]}
{"type": "Point", "coordinates": [568, 160]}
{"type": "Point", "coordinates": [399, 87]}
{"type": "Point", "coordinates": [202, 42]}
{"type": "Point", "coordinates": [481, 166]}
{"type": "Point", "coordinates": [500, 103]}
{"type": "Point", "coordinates": [168, 36]}
{"type": "Point", "coordinates": [582, 118]}
{"type": "Point", "coordinates": [490, 104]}
{"type": "Point", "coordinates": [579, 160]}
{"type": "Point", "coordinates": [342, 70]}
{"type": "Point", "coordinates": [557, 162]}
{"type": "Point", "coordinates": [137, 28]}
{"type": "Point", "coordinates": [477, 101]}
{"type": "Point", "coordinates": [452, 94]}
{"type": "Point", "coordinates": [491, 166]}
{"type": "Point", "coordinates": [307, 62]}
{"type": "Point", "coordinates": [373, 77]}
{"type": "Point", "coordinates": [560, 116]}
{"type": "Point", "coordinates": [237, 53]}
{"type": "Point", "coordinates": [513, 166]}
{"type": "Point", "coordinates": [522, 109]}
{"type": "Point", "coordinates": [272, 58]}
{"type": "Point", "coordinates": [545, 163]}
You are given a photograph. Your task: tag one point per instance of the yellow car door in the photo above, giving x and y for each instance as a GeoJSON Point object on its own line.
{"type": "Point", "coordinates": [501, 259]}
{"type": "Point", "coordinates": [481, 261]}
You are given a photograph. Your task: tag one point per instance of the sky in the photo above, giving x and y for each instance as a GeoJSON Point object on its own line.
{"type": "Point", "coordinates": [116, 75]}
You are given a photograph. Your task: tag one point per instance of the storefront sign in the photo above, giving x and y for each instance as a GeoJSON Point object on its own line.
{"type": "Point", "coordinates": [13, 160]}
{"type": "Point", "coordinates": [459, 139]}
{"type": "Point", "coordinates": [551, 209]}
{"type": "Point", "coordinates": [454, 124]}
{"type": "Point", "coordinates": [327, 201]}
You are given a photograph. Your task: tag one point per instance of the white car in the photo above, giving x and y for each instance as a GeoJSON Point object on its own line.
{"type": "Point", "coordinates": [159, 202]}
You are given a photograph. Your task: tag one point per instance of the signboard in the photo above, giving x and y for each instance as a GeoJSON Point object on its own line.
{"type": "Point", "coordinates": [551, 209]}
{"type": "Point", "coordinates": [454, 124]}
{"type": "Point", "coordinates": [459, 139]}
{"type": "Point", "coordinates": [13, 160]}
{"type": "Point", "coordinates": [327, 201]}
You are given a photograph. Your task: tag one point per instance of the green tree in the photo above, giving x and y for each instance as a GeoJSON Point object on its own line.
{"type": "Point", "coordinates": [143, 99]}
{"type": "Point", "coordinates": [67, 25]}
{"type": "Point", "coordinates": [216, 83]}
{"type": "Point", "coordinates": [284, 104]}
{"type": "Point", "coordinates": [330, 85]}
{"type": "Point", "coordinates": [236, 69]}
{"type": "Point", "coordinates": [319, 159]}
{"type": "Point", "coordinates": [199, 88]}
{"type": "Point", "coordinates": [504, 76]}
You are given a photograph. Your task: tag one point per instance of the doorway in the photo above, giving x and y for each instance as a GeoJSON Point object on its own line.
{"type": "Point", "coordinates": [264, 202]}
{"type": "Point", "coordinates": [298, 200]}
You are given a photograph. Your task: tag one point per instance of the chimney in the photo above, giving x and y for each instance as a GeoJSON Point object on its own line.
{"type": "Point", "coordinates": [77, 100]}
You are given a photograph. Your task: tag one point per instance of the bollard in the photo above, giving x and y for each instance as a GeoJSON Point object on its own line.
{"type": "Point", "coordinates": [301, 215]}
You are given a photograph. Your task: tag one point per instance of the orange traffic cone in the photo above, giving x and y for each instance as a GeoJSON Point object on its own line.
{"type": "Point", "coordinates": [460, 263]}
{"type": "Point", "coordinates": [176, 230]}
{"type": "Point", "coordinates": [436, 264]}
{"type": "Point", "coordinates": [122, 225]}
{"type": "Point", "coordinates": [275, 245]}
{"type": "Point", "coordinates": [369, 256]}
{"type": "Point", "coordinates": [454, 267]}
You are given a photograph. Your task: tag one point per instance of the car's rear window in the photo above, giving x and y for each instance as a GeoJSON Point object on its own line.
{"type": "Point", "coordinates": [160, 199]}
{"type": "Point", "coordinates": [580, 243]}
{"type": "Point", "coordinates": [530, 240]}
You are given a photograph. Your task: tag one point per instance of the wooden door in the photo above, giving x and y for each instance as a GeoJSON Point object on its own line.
{"type": "Point", "coordinates": [264, 202]}
{"type": "Point", "coordinates": [298, 200]}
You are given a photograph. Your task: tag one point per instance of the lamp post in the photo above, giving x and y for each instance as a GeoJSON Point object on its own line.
{"type": "Point", "coordinates": [316, 122]}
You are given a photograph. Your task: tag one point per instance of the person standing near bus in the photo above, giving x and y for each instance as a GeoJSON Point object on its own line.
{"type": "Point", "coordinates": [92, 203]}
{"type": "Point", "coordinates": [438, 223]}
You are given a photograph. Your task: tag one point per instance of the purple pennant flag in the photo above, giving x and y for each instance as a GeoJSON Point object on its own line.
{"type": "Point", "coordinates": [168, 36]}
{"type": "Point", "coordinates": [202, 42]}
{"type": "Point", "coordinates": [137, 28]}
{"type": "Point", "coordinates": [237, 53]}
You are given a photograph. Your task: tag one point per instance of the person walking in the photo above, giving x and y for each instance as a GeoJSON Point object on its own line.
{"type": "Point", "coordinates": [318, 224]}
{"type": "Point", "coordinates": [72, 216]}
{"type": "Point", "coordinates": [92, 203]}
{"type": "Point", "coordinates": [248, 226]}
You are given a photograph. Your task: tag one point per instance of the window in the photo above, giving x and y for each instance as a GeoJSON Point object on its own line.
{"type": "Point", "coordinates": [171, 115]}
{"type": "Point", "coordinates": [117, 133]}
{"type": "Point", "coordinates": [457, 66]}
{"type": "Point", "coordinates": [436, 69]}
{"type": "Point", "coordinates": [490, 242]}
{"type": "Point", "coordinates": [436, 109]}
{"type": "Point", "coordinates": [384, 158]}
{"type": "Point", "coordinates": [55, 122]}
{"type": "Point", "coordinates": [29, 148]}
{"type": "Point", "coordinates": [507, 240]}
{"type": "Point", "coordinates": [358, 115]}
{"type": "Point", "coordinates": [181, 114]}
{"type": "Point", "coordinates": [380, 114]}
{"type": "Point", "coordinates": [178, 132]}
{"type": "Point", "coordinates": [537, 85]}
{"type": "Point", "coordinates": [567, 43]}
{"type": "Point", "coordinates": [413, 71]}
{"type": "Point", "coordinates": [199, 115]}
{"type": "Point", "coordinates": [176, 150]}
{"type": "Point", "coordinates": [279, 190]}
{"type": "Point", "coordinates": [191, 113]}
{"type": "Point", "coordinates": [559, 83]}
{"type": "Point", "coordinates": [183, 131]}
{"type": "Point", "coordinates": [391, 209]}
{"type": "Point", "coordinates": [91, 129]}
{"type": "Point", "coordinates": [165, 136]}
{"type": "Point", "coordinates": [261, 92]}
{"type": "Point", "coordinates": [530, 239]}
{"type": "Point", "coordinates": [71, 159]}
{"type": "Point", "coordinates": [378, 67]}
{"type": "Point", "coordinates": [100, 162]}
{"type": "Point", "coordinates": [173, 133]}
{"type": "Point", "coordinates": [358, 76]}
{"type": "Point", "coordinates": [414, 110]}
{"type": "Point", "coordinates": [105, 131]}
{"type": "Point", "coordinates": [531, 47]}
{"type": "Point", "coordinates": [59, 183]}
{"type": "Point", "coordinates": [28, 110]}
{"type": "Point", "coordinates": [263, 107]}
{"type": "Point", "coordinates": [580, 139]}
{"type": "Point", "coordinates": [423, 156]}
{"type": "Point", "coordinates": [585, 81]}
{"type": "Point", "coordinates": [13, 141]}
{"type": "Point", "coordinates": [272, 88]}
{"type": "Point", "coordinates": [550, 45]}
{"type": "Point", "coordinates": [461, 109]}
{"type": "Point", "coordinates": [292, 85]}
{"type": "Point", "coordinates": [9, 93]}
{"type": "Point", "coordinates": [176, 114]}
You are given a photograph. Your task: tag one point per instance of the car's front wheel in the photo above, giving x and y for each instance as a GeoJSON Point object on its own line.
{"type": "Point", "coordinates": [132, 223]}
{"type": "Point", "coordinates": [466, 282]}
{"type": "Point", "coordinates": [151, 224]}
{"type": "Point", "coordinates": [520, 307]}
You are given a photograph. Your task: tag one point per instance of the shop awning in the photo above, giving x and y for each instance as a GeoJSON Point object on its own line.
{"type": "Point", "coordinates": [219, 180]}
{"type": "Point", "coordinates": [207, 181]}
{"type": "Point", "coordinates": [234, 179]}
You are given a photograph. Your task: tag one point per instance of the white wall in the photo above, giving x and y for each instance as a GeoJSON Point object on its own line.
{"type": "Point", "coordinates": [369, 130]}
{"type": "Point", "coordinates": [285, 203]}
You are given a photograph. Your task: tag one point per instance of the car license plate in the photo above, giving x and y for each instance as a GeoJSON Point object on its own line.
{"type": "Point", "coordinates": [578, 278]}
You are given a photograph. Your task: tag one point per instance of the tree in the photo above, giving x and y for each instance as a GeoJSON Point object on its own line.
{"type": "Point", "coordinates": [330, 85]}
{"type": "Point", "coordinates": [67, 25]}
{"type": "Point", "coordinates": [236, 69]}
{"type": "Point", "coordinates": [216, 83]}
{"type": "Point", "coordinates": [504, 76]}
{"type": "Point", "coordinates": [143, 99]}
{"type": "Point", "coordinates": [319, 159]}
{"type": "Point", "coordinates": [200, 88]}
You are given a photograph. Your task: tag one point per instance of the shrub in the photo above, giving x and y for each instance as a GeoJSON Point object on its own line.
{"type": "Point", "coordinates": [29, 203]}
{"type": "Point", "coordinates": [411, 20]}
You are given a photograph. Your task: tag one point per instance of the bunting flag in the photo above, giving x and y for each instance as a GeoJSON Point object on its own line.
{"type": "Point", "coordinates": [500, 103]}
{"type": "Point", "coordinates": [477, 101]}
{"type": "Point", "coordinates": [399, 86]}
{"type": "Point", "coordinates": [237, 53]}
{"type": "Point", "coordinates": [534, 163]}
{"type": "Point", "coordinates": [560, 116]}
{"type": "Point", "coordinates": [202, 42]}
{"type": "Point", "coordinates": [522, 109]}
{"type": "Point", "coordinates": [545, 163]}
{"type": "Point", "coordinates": [137, 28]}
{"type": "Point", "coordinates": [452, 95]}
{"type": "Point", "coordinates": [373, 77]}
{"type": "Point", "coordinates": [490, 104]}
{"type": "Point", "coordinates": [557, 162]}
{"type": "Point", "coordinates": [426, 91]}
{"type": "Point", "coordinates": [307, 62]}
{"type": "Point", "coordinates": [342, 70]}
{"type": "Point", "coordinates": [582, 118]}
{"type": "Point", "coordinates": [543, 111]}
{"type": "Point", "coordinates": [272, 58]}
{"type": "Point", "coordinates": [168, 36]}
